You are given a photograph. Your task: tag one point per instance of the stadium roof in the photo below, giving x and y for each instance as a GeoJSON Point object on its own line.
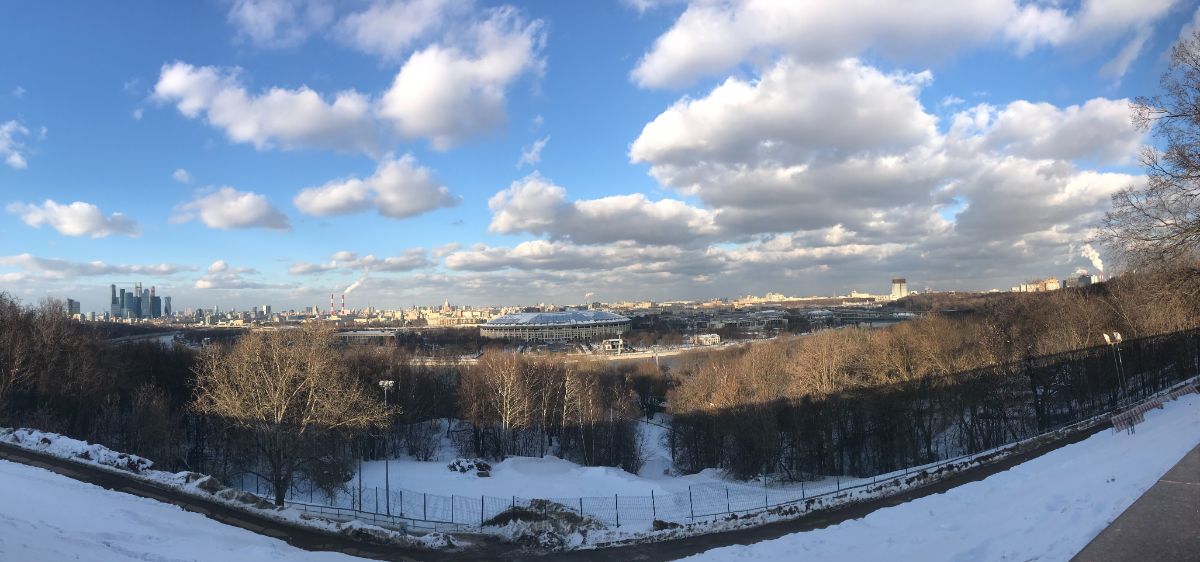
{"type": "Point", "coordinates": [556, 318]}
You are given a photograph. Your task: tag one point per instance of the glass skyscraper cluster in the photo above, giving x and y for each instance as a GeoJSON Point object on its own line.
{"type": "Point", "coordinates": [138, 303]}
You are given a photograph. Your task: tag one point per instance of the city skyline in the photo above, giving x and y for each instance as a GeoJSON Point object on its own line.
{"type": "Point", "coordinates": [498, 154]}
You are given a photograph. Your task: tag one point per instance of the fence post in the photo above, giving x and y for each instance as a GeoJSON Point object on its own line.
{"type": "Point", "coordinates": [728, 506]}
{"type": "Point", "coordinates": [691, 504]}
{"type": "Point", "coordinates": [653, 509]}
{"type": "Point", "coordinates": [481, 510]}
{"type": "Point", "coordinates": [802, 496]}
{"type": "Point", "coordinates": [425, 506]}
{"type": "Point", "coordinates": [581, 506]}
{"type": "Point", "coordinates": [452, 508]}
{"type": "Point", "coordinates": [839, 482]}
{"type": "Point", "coordinates": [401, 502]}
{"type": "Point", "coordinates": [376, 499]}
{"type": "Point", "coordinates": [617, 508]}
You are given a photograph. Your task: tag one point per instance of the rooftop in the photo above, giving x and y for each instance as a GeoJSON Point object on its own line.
{"type": "Point", "coordinates": [555, 318]}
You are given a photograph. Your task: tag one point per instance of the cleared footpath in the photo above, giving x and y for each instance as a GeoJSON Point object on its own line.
{"type": "Point", "coordinates": [1163, 524]}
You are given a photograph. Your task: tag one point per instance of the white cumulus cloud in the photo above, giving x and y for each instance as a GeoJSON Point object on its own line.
{"type": "Point", "coordinates": [74, 219]}
{"type": "Point", "coordinates": [278, 23]}
{"type": "Point", "coordinates": [399, 188]}
{"type": "Point", "coordinates": [535, 205]}
{"type": "Point", "coordinates": [11, 148]}
{"type": "Point", "coordinates": [227, 208]}
{"type": "Point", "coordinates": [279, 117]}
{"type": "Point", "coordinates": [448, 93]}
{"type": "Point", "coordinates": [182, 176]}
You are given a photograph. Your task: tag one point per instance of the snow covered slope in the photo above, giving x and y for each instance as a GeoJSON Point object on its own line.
{"type": "Point", "coordinates": [45, 516]}
{"type": "Point", "coordinates": [1048, 508]}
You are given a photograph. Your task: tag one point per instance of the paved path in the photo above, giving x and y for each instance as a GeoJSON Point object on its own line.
{"type": "Point", "coordinates": [1163, 524]}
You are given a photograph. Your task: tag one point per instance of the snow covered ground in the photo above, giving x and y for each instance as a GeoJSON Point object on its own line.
{"type": "Point", "coordinates": [45, 516]}
{"type": "Point", "coordinates": [534, 477]}
{"type": "Point", "coordinates": [1048, 508]}
{"type": "Point", "coordinates": [206, 488]}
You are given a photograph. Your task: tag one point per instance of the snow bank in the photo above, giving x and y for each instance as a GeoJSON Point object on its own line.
{"type": "Point", "coordinates": [46, 516]}
{"type": "Point", "coordinates": [68, 448]}
{"type": "Point", "coordinates": [1047, 508]}
{"type": "Point", "coordinates": [206, 487]}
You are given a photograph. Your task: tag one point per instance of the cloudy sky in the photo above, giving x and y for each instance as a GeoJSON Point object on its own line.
{"type": "Point", "coordinates": [246, 152]}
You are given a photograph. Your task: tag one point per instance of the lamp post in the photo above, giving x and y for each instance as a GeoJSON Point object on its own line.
{"type": "Point", "coordinates": [1113, 342]}
{"type": "Point", "coordinates": [387, 477]}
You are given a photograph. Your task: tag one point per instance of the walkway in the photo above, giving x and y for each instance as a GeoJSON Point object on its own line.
{"type": "Point", "coordinates": [1163, 524]}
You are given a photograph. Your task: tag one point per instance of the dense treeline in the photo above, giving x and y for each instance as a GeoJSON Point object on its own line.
{"type": "Point", "coordinates": [837, 401]}
{"type": "Point", "coordinates": [180, 408]}
{"type": "Point", "coordinates": [861, 401]}
{"type": "Point", "coordinates": [531, 406]}
{"type": "Point", "coordinates": [59, 376]}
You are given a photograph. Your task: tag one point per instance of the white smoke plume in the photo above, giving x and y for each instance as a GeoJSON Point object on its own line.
{"type": "Point", "coordinates": [1092, 255]}
{"type": "Point", "coordinates": [355, 285]}
{"type": "Point", "coordinates": [588, 295]}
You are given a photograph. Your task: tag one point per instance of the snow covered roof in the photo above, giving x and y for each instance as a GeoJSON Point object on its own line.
{"type": "Point", "coordinates": [556, 318]}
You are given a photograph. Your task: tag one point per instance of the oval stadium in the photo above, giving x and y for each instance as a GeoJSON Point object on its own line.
{"type": "Point", "coordinates": [556, 326]}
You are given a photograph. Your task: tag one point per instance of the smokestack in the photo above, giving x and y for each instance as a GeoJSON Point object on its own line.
{"type": "Point", "coordinates": [343, 304]}
{"type": "Point", "coordinates": [331, 304]}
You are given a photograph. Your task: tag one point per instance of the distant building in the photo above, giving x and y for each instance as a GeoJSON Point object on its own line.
{"type": "Point", "coordinates": [556, 326]}
{"type": "Point", "coordinates": [1038, 286]}
{"type": "Point", "coordinates": [706, 339]}
{"type": "Point", "coordinates": [1081, 279]}
{"type": "Point", "coordinates": [899, 288]}
{"type": "Point", "coordinates": [72, 307]}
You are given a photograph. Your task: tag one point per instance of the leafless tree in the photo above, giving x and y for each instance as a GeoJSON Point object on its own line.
{"type": "Point", "coordinates": [288, 393]}
{"type": "Point", "coordinates": [1162, 220]}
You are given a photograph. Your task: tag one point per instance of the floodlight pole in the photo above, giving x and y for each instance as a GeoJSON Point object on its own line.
{"type": "Point", "coordinates": [387, 477]}
{"type": "Point", "coordinates": [1113, 342]}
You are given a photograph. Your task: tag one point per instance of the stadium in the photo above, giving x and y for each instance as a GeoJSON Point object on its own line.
{"type": "Point", "coordinates": [556, 326]}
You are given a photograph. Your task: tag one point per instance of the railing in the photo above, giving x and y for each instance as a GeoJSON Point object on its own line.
{"type": "Point", "coordinates": [1163, 367]}
{"type": "Point", "coordinates": [412, 510]}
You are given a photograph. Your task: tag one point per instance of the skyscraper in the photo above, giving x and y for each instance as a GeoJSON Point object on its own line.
{"type": "Point", "coordinates": [114, 307]}
{"type": "Point", "coordinates": [72, 307]}
{"type": "Point", "coordinates": [899, 288]}
{"type": "Point", "coordinates": [167, 306]}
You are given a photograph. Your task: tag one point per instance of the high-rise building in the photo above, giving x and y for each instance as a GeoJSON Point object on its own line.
{"type": "Point", "coordinates": [114, 307]}
{"type": "Point", "coordinates": [167, 306]}
{"type": "Point", "coordinates": [72, 307]}
{"type": "Point", "coordinates": [899, 288]}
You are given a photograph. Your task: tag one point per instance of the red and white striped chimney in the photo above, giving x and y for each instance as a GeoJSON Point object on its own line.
{"type": "Point", "coordinates": [343, 304]}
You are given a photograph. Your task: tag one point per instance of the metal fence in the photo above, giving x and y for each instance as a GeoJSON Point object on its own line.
{"type": "Point", "coordinates": [407, 509]}
{"type": "Point", "coordinates": [421, 510]}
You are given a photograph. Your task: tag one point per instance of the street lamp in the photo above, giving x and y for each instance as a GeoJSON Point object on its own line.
{"type": "Point", "coordinates": [1113, 342]}
{"type": "Point", "coordinates": [387, 477]}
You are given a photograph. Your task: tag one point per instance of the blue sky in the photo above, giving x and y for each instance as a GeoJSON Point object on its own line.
{"type": "Point", "coordinates": [244, 152]}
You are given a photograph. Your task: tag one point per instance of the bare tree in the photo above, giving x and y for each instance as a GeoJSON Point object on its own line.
{"type": "Point", "coordinates": [289, 393]}
{"type": "Point", "coordinates": [1162, 220]}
